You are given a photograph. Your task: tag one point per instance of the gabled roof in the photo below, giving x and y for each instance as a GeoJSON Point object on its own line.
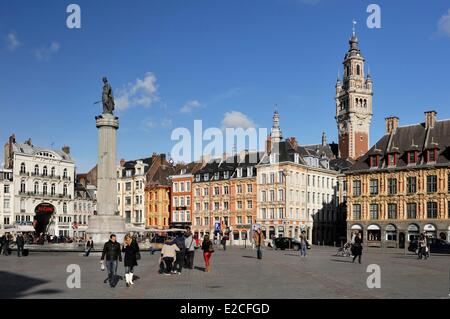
{"type": "Point", "coordinates": [33, 150]}
{"type": "Point", "coordinates": [405, 139]}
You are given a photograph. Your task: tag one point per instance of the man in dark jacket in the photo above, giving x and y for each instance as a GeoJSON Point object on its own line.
{"type": "Point", "coordinates": [20, 243]}
{"type": "Point", "coordinates": [113, 255]}
{"type": "Point", "coordinates": [6, 242]}
{"type": "Point", "coordinates": [88, 247]}
{"type": "Point", "coordinates": [2, 243]}
{"type": "Point", "coordinates": [180, 242]}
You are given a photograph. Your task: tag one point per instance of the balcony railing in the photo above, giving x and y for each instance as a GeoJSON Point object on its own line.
{"type": "Point", "coordinates": [40, 194]}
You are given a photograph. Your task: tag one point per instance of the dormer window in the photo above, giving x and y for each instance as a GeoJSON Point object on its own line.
{"type": "Point", "coordinates": [297, 158]}
{"type": "Point", "coordinates": [206, 176]}
{"type": "Point", "coordinates": [273, 158]}
{"type": "Point", "coordinates": [249, 171]}
{"type": "Point", "coordinates": [226, 175]}
{"type": "Point", "coordinates": [431, 155]}
{"type": "Point", "coordinates": [216, 176]}
{"type": "Point", "coordinates": [239, 172]}
{"type": "Point", "coordinates": [392, 160]}
{"type": "Point", "coordinates": [374, 161]}
{"type": "Point", "coordinates": [197, 178]}
{"type": "Point", "coordinates": [412, 157]}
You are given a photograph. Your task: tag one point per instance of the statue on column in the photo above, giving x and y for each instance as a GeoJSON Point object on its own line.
{"type": "Point", "coordinates": [107, 97]}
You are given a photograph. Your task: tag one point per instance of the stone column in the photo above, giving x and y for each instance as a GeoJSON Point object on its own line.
{"type": "Point", "coordinates": [107, 220]}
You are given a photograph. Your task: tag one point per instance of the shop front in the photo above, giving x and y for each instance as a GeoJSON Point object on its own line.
{"type": "Point", "coordinates": [413, 232]}
{"type": "Point", "coordinates": [374, 235]}
{"type": "Point", "coordinates": [391, 236]}
{"type": "Point", "coordinates": [430, 230]}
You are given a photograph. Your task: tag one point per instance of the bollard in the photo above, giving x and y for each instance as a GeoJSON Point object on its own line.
{"type": "Point", "coordinates": [334, 244]}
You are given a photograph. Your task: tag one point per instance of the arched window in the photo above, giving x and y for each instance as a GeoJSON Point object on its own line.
{"type": "Point", "coordinates": [358, 70]}
{"type": "Point", "coordinates": [22, 186]}
{"type": "Point", "coordinates": [36, 169]}
{"type": "Point", "coordinates": [53, 190]}
{"type": "Point", "coordinates": [53, 172]}
{"type": "Point", "coordinates": [44, 189]}
{"type": "Point", "coordinates": [75, 207]}
{"type": "Point", "coordinates": [44, 171]}
{"type": "Point", "coordinates": [65, 173]}
{"type": "Point", "coordinates": [36, 187]}
{"type": "Point", "coordinates": [65, 208]}
{"type": "Point", "coordinates": [22, 168]}
{"type": "Point", "coordinates": [65, 190]}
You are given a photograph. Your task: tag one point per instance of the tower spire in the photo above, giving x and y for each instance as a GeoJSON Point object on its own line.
{"type": "Point", "coordinates": [276, 131]}
{"type": "Point", "coordinates": [354, 27]}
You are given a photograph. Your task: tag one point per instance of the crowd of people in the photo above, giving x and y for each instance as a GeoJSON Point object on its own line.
{"type": "Point", "coordinates": [8, 239]}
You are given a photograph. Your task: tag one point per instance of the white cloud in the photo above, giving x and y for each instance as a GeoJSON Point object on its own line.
{"type": "Point", "coordinates": [444, 24]}
{"type": "Point", "coordinates": [12, 41]}
{"type": "Point", "coordinates": [45, 53]}
{"type": "Point", "coordinates": [235, 119]}
{"type": "Point", "coordinates": [141, 93]}
{"type": "Point", "coordinates": [189, 106]}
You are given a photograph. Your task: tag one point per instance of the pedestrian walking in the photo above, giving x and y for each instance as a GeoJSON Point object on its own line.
{"type": "Point", "coordinates": [357, 248]}
{"type": "Point", "coordinates": [189, 243]}
{"type": "Point", "coordinates": [20, 243]}
{"type": "Point", "coordinates": [422, 246]}
{"type": "Point", "coordinates": [180, 242]}
{"type": "Point", "coordinates": [113, 255]}
{"type": "Point", "coordinates": [2, 243]}
{"type": "Point", "coordinates": [169, 255]}
{"type": "Point", "coordinates": [130, 259]}
{"type": "Point", "coordinates": [223, 242]}
{"type": "Point", "coordinates": [258, 240]}
{"type": "Point", "coordinates": [208, 250]}
{"type": "Point", "coordinates": [6, 241]}
{"type": "Point", "coordinates": [303, 244]}
{"type": "Point", "coordinates": [88, 247]}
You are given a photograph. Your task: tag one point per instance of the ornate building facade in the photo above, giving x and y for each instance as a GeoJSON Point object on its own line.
{"type": "Point", "coordinates": [41, 176]}
{"type": "Point", "coordinates": [401, 186]}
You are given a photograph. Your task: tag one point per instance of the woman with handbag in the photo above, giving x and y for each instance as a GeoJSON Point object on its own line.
{"type": "Point", "coordinates": [208, 249]}
{"type": "Point", "coordinates": [132, 254]}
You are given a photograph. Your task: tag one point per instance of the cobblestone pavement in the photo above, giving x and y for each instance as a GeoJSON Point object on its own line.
{"type": "Point", "coordinates": [236, 273]}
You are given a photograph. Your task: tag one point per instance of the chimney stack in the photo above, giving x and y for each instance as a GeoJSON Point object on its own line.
{"type": "Point", "coordinates": [268, 144]}
{"type": "Point", "coordinates": [324, 139]}
{"type": "Point", "coordinates": [430, 119]}
{"type": "Point", "coordinates": [66, 149]}
{"type": "Point", "coordinates": [28, 142]}
{"type": "Point", "coordinates": [391, 124]}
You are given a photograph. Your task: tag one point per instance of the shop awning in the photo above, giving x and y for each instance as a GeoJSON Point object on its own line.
{"type": "Point", "coordinates": [24, 228]}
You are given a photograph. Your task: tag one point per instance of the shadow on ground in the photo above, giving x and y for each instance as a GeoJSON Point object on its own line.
{"type": "Point", "coordinates": [342, 260]}
{"type": "Point", "coordinates": [18, 286]}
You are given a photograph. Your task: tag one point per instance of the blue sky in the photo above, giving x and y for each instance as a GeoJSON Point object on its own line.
{"type": "Point", "coordinates": [171, 62]}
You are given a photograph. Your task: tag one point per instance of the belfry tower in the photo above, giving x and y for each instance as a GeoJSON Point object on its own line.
{"type": "Point", "coordinates": [354, 104]}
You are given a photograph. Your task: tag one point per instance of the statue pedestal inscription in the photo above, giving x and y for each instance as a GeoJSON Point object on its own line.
{"type": "Point", "coordinates": [107, 220]}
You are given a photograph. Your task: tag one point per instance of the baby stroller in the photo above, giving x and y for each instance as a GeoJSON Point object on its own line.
{"type": "Point", "coordinates": [345, 251]}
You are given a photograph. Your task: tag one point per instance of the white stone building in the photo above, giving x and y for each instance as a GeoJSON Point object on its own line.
{"type": "Point", "coordinates": [6, 199]}
{"type": "Point", "coordinates": [41, 175]}
{"type": "Point", "coordinates": [131, 191]}
{"type": "Point", "coordinates": [296, 187]}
